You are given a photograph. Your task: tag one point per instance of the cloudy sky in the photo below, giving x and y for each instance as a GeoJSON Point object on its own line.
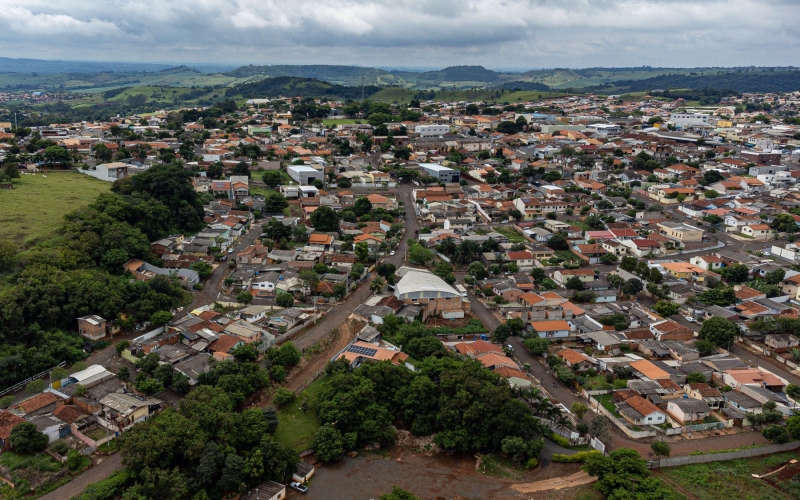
{"type": "Point", "coordinates": [410, 33]}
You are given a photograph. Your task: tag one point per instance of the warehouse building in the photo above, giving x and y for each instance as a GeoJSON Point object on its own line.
{"type": "Point", "coordinates": [444, 174]}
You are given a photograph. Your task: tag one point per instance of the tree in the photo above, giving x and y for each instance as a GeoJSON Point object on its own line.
{"type": "Point", "coordinates": [26, 439]}
{"type": "Point", "coordinates": [328, 443]}
{"type": "Point", "coordinates": [695, 378]}
{"type": "Point", "coordinates": [362, 206]}
{"type": "Point", "coordinates": [275, 203]}
{"type": "Point", "coordinates": [123, 373]}
{"type": "Point", "coordinates": [244, 297]}
{"type": "Point", "coordinates": [574, 283]}
{"type": "Point", "coordinates": [272, 178]}
{"type": "Point", "coordinates": [300, 233]}
{"type": "Point", "coordinates": [784, 223]}
{"type": "Point", "coordinates": [6, 401]}
{"type": "Point", "coordinates": [282, 397]}
{"type": "Point", "coordinates": [507, 127]}
{"type": "Point", "coordinates": [704, 347]}
{"type": "Point", "coordinates": [418, 254]}
{"type": "Point", "coordinates": [502, 332]}
{"type": "Point", "coordinates": [599, 427]}
{"type": "Point", "coordinates": [660, 448]}
{"type": "Point", "coordinates": [719, 331]}
{"type": "Point", "coordinates": [793, 426]}
{"type": "Point", "coordinates": [579, 409]}
{"type": "Point", "coordinates": [775, 277]}
{"type": "Point", "coordinates": [148, 363]}
{"type": "Point", "coordinates": [376, 285]}
{"type": "Point", "coordinates": [737, 273]}
{"type": "Point", "coordinates": [36, 385]}
{"type": "Point", "coordinates": [397, 493]}
{"type": "Point", "coordinates": [149, 386]}
{"type": "Point", "coordinates": [160, 318]}
{"type": "Point", "coordinates": [164, 374]}
{"type": "Point", "coordinates": [776, 433]}
{"type": "Point", "coordinates": [558, 242]}
{"type": "Point", "coordinates": [536, 345]}
{"type": "Point", "coordinates": [666, 308]}
{"type": "Point", "coordinates": [214, 171]}
{"type": "Point", "coordinates": [284, 299]}
{"type": "Point", "coordinates": [325, 219]}
{"type": "Point", "coordinates": [204, 269]}
{"type": "Point", "coordinates": [622, 469]}
{"type": "Point", "coordinates": [8, 255]}
{"type": "Point", "coordinates": [121, 346]}
{"type": "Point", "coordinates": [520, 449]}
{"type": "Point", "coordinates": [632, 286]}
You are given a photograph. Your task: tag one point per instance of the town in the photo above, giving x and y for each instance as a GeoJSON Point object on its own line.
{"type": "Point", "coordinates": [283, 285]}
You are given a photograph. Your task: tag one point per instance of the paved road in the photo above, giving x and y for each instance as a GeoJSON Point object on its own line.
{"type": "Point", "coordinates": [211, 286]}
{"type": "Point", "coordinates": [97, 473]}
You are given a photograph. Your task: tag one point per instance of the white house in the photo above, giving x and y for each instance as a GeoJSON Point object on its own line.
{"type": "Point", "coordinates": [640, 411]}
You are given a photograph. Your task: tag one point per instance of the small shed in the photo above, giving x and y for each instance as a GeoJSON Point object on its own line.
{"type": "Point", "coordinates": [268, 490]}
{"type": "Point", "coordinates": [304, 472]}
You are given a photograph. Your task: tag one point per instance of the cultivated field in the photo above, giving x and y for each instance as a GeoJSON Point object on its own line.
{"type": "Point", "coordinates": [35, 208]}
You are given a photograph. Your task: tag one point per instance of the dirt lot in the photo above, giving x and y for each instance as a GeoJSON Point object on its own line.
{"type": "Point", "coordinates": [372, 474]}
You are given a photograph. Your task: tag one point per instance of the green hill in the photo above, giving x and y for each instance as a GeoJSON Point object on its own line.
{"type": "Point", "coordinates": [301, 87]}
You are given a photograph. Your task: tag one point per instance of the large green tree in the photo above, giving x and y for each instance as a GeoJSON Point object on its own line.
{"type": "Point", "coordinates": [718, 331]}
{"type": "Point", "coordinates": [325, 219]}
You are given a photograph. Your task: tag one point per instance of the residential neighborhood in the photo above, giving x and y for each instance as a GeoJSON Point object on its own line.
{"type": "Point", "coordinates": [624, 270]}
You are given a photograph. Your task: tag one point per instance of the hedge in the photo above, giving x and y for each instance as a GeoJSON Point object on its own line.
{"type": "Point", "coordinates": [579, 457]}
{"type": "Point", "coordinates": [559, 440]}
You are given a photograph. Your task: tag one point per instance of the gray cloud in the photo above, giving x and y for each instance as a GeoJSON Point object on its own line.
{"type": "Point", "coordinates": [508, 33]}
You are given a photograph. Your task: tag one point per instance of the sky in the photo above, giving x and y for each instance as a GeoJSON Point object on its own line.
{"type": "Point", "coordinates": [523, 34]}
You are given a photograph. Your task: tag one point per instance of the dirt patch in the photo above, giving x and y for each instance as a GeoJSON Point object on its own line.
{"type": "Point", "coordinates": [423, 445]}
{"type": "Point", "coordinates": [432, 322]}
{"type": "Point", "coordinates": [555, 484]}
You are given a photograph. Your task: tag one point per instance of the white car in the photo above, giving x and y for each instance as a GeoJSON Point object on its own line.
{"type": "Point", "coordinates": [690, 319]}
{"type": "Point", "coordinates": [505, 221]}
{"type": "Point", "coordinates": [392, 252]}
{"type": "Point", "coordinates": [298, 487]}
{"type": "Point", "coordinates": [230, 250]}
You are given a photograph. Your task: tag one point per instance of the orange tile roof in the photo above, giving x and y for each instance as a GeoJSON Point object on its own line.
{"type": "Point", "coordinates": [572, 356]}
{"type": "Point", "coordinates": [642, 405]}
{"type": "Point", "coordinates": [489, 359]}
{"type": "Point", "coordinates": [754, 376]}
{"type": "Point", "coordinates": [746, 293]}
{"type": "Point", "coordinates": [7, 422]}
{"type": "Point", "coordinates": [649, 370]}
{"type": "Point", "coordinates": [549, 326]}
{"type": "Point", "coordinates": [37, 402]}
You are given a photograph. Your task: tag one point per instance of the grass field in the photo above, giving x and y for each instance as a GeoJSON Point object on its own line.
{"type": "Point", "coordinates": [296, 428]}
{"type": "Point", "coordinates": [510, 233]}
{"type": "Point", "coordinates": [35, 208]}
{"type": "Point", "coordinates": [731, 479]}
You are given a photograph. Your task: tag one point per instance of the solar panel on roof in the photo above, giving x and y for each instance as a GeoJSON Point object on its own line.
{"type": "Point", "coordinates": [365, 351]}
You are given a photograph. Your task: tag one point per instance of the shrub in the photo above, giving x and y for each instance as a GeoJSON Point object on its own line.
{"type": "Point", "coordinates": [579, 457]}
{"type": "Point", "coordinates": [73, 460]}
{"type": "Point", "coordinates": [283, 397]}
{"type": "Point", "coordinates": [531, 463]}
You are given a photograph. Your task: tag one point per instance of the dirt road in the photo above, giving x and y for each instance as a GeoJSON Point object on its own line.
{"type": "Point", "coordinates": [97, 473]}
{"type": "Point", "coordinates": [558, 483]}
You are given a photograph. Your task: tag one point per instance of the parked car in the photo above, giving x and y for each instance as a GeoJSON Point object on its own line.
{"type": "Point", "coordinates": [298, 487]}
{"type": "Point", "coordinates": [230, 250]}
{"type": "Point", "coordinates": [392, 252]}
{"type": "Point", "coordinates": [690, 319]}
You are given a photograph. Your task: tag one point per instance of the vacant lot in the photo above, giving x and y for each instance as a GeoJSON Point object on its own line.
{"type": "Point", "coordinates": [732, 479]}
{"type": "Point", "coordinates": [296, 428]}
{"type": "Point", "coordinates": [35, 208]}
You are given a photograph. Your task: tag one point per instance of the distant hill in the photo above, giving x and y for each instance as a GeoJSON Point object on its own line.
{"type": "Point", "coordinates": [301, 87]}
{"type": "Point", "coordinates": [518, 85]}
{"type": "Point", "coordinates": [9, 65]}
{"type": "Point", "coordinates": [749, 80]}
{"type": "Point", "coordinates": [179, 69]}
{"type": "Point", "coordinates": [342, 75]}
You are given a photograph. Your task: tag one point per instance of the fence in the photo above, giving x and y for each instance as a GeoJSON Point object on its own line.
{"type": "Point", "coordinates": [766, 352]}
{"type": "Point", "coordinates": [704, 427]}
{"type": "Point", "coordinates": [30, 379]}
{"type": "Point", "coordinates": [597, 445]}
{"type": "Point", "coordinates": [720, 457]}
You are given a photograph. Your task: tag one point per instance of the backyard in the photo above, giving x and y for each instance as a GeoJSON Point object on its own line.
{"type": "Point", "coordinates": [35, 208]}
{"type": "Point", "coordinates": [32, 475]}
{"type": "Point", "coordinates": [296, 428]}
{"type": "Point", "coordinates": [733, 479]}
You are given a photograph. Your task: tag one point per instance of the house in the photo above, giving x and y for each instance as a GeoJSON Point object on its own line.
{"type": "Point", "coordinates": [683, 233]}
{"type": "Point", "coordinates": [561, 276]}
{"type": "Point", "coordinates": [550, 329]}
{"type": "Point", "coordinates": [671, 330]}
{"type": "Point", "coordinates": [752, 376]}
{"type": "Point", "coordinates": [603, 341]}
{"type": "Point", "coordinates": [685, 271]}
{"type": "Point", "coordinates": [524, 260]}
{"type": "Point", "coordinates": [121, 411]}
{"type": "Point", "coordinates": [92, 327]}
{"type": "Point", "coordinates": [576, 360]}
{"type": "Point", "coordinates": [7, 422]}
{"type": "Point", "coordinates": [758, 232]}
{"type": "Point", "coordinates": [304, 472]}
{"type": "Point", "coordinates": [359, 352]}
{"type": "Point", "coordinates": [642, 247]}
{"type": "Point", "coordinates": [781, 341]}
{"type": "Point", "coordinates": [267, 490]}
{"type": "Point", "coordinates": [194, 367]}
{"type": "Point", "coordinates": [704, 392]}
{"type": "Point", "coordinates": [689, 410]}
{"type": "Point", "coordinates": [648, 370]}
{"type": "Point", "coordinates": [707, 262]}
{"type": "Point", "coordinates": [222, 347]}
{"type": "Point", "coordinates": [640, 411]}
{"type": "Point", "coordinates": [44, 402]}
